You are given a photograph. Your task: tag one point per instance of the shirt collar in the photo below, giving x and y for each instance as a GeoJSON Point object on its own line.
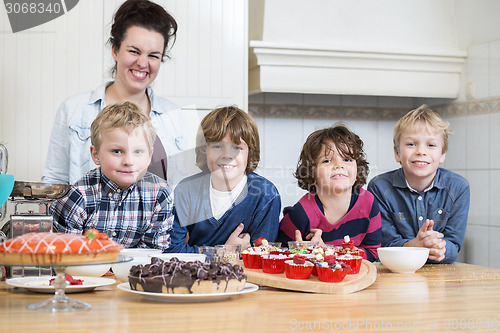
{"type": "Point", "coordinates": [99, 95]}
{"type": "Point", "coordinates": [425, 190]}
{"type": "Point", "coordinates": [109, 187]}
{"type": "Point", "coordinates": [399, 180]}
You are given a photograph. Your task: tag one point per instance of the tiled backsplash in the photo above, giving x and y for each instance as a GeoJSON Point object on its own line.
{"type": "Point", "coordinates": [285, 121]}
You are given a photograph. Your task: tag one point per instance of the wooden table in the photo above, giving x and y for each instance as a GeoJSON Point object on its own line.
{"type": "Point", "coordinates": [456, 297]}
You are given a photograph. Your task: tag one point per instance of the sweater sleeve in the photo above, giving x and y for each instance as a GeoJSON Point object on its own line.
{"type": "Point", "coordinates": [373, 237]}
{"type": "Point", "coordinates": [266, 222]}
{"type": "Point", "coordinates": [294, 218]}
{"type": "Point", "coordinates": [178, 236]}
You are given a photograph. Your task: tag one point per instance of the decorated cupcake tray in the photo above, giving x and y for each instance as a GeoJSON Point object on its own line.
{"type": "Point", "coordinates": [352, 283]}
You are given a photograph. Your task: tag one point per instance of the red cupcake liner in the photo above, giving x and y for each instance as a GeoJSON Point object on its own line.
{"type": "Point", "coordinates": [359, 252]}
{"type": "Point", "coordinates": [327, 274]}
{"type": "Point", "coordinates": [355, 264]}
{"type": "Point", "coordinates": [298, 272]}
{"type": "Point", "coordinates": [273, 265]}
{"type": "Point", "coordinates": [253, 261]}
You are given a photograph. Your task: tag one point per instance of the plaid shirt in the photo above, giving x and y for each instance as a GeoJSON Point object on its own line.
{"type": "Point", "coordinates": [139, 216]}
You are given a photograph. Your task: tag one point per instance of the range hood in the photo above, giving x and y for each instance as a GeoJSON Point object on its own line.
{"type": "Point", "coordinates": [401, 52]}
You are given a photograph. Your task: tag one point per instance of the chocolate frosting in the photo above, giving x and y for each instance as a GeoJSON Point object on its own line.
{"type": "Point", "coordinates": [176, 273]}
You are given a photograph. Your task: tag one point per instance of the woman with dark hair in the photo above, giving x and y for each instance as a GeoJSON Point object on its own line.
{"type": "Point", "coordinates": [141, 34]}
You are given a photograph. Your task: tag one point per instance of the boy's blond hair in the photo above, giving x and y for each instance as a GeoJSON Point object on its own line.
{"type": "Point", "coordinates": [239, 125]}
{"type": "Point", "coordinates": [127, 116]}
{"type": "Point", "coordinates": [422, 116]}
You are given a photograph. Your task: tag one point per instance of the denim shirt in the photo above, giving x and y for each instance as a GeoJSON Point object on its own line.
{"type": "Point", "coordinates": [68, 157]}
{"type": "Point", "coordinates": [403, 211]}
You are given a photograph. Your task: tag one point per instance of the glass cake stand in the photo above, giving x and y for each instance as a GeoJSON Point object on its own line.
{"type": "Point", "coordinates": [60, 302]}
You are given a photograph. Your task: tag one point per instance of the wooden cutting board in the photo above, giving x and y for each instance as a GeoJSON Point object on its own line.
{"type": "Point", "coordinates": [352, 283]}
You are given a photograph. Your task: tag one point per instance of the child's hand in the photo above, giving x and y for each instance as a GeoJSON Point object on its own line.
{"type": "Point", "coordinates": [314, 235]}
{"type": "Point", "coordinates": [238, 238]}
{"type": "Point", "coordinates": [431, 239]}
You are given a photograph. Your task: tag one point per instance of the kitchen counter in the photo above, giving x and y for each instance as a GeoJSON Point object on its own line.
{"type": "Point", "coordinates": [457, 297]}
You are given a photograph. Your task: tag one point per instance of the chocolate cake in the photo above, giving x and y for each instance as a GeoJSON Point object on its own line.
{"type": "Point", "coordinates": [181, 277]}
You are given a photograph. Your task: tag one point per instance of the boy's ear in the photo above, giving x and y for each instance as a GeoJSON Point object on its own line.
{"type": "Point", "coordinates": [442, 158]}
{"type": "Point", "coordinates": [93, 153]}
{"type": "Point", "coordinates": [397, 157]}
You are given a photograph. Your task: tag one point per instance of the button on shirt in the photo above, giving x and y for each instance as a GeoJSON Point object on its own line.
{"type": "Point", "coordinates": [139, 216]}
{"type": "Point", "coordinates": [403, 210]}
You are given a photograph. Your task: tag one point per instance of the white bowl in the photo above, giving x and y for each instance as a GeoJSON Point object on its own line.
{"type": "Point", "coordinates": [181, 256]}
{"type": "Point", "coordinates": [140, 256]}
{"type": "Point", "coordinates": [403, 259]}
{"type": "Point", "coordinates": [138, 252]}
{"type": "Point", "coordinates": [122, 270]}
{"type": "Point", "coordinates": [88, 270]}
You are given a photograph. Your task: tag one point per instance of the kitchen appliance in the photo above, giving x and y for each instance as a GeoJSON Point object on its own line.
{"type": "Point", "coordinates": [31, 202]}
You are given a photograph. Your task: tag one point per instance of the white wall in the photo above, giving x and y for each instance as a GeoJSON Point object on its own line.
{"type": "Point", "coordinates": [473, 148]}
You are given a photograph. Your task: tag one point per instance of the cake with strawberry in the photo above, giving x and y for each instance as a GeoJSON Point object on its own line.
{"type": "Point", "coordinates": [181, 277]}
{"type": "Point", "coordinates": [47, 248]}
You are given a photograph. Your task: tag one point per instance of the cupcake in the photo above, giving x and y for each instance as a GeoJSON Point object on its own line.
{"type": "Point", "coordinates": [299, 268]}
{"type": "Point", "coordinates": [273, 263]}
{"type": "Point", "coordinates": [322, 254]}
{"type": "Point", "coordinates": [269, 247]}
{"type": "Point", "coordinates": [348, 247]}
{"type": "Point", "coordinates": [334, 272]}
{"type": "Point", "coordinates": [252, 257]}
{"type": "Point", "coordinates": [353, 261]}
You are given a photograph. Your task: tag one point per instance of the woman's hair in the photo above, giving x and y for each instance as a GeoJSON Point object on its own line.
{"type": "Point", "coordinates": [421, 118]}
{"type": "Point", "coordinates": [345, 141]}
{"type": "Point", "coordinates": [127, 116]}
{"type": "Point", "coordinates": [144, 14]}
{"type": "Point", "coordinates": [240, 126]}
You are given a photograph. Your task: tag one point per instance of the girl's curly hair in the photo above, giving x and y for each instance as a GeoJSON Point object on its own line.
{"type": "Point", "coordinates": [348, 144]}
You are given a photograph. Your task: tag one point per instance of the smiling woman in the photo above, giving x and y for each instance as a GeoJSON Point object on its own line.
{"type": "Point", "coordinates": [141, 34]}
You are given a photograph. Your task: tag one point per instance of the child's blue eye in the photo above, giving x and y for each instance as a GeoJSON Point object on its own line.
{"type": "Point", "coordinates": [116, 151]}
